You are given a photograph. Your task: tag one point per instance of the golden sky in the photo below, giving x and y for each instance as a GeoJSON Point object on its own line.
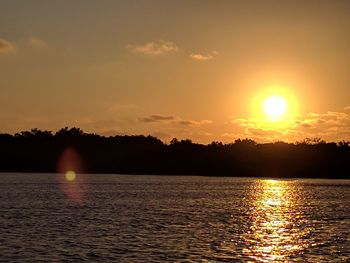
{"type": "Point", "coordinates": [186, 69]}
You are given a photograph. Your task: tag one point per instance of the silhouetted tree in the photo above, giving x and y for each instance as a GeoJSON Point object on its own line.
{"type": "Point", "coordinates": [39, 151]}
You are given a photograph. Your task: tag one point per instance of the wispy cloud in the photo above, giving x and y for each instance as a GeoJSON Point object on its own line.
{"type": "Point", "coordinates": [328, 125]}
{"type": "Point", "coordinates": [6, 46]}
{"type": "Point", "coordinates": [203, 57]}
{"type": "Point", "coordinates": [36, 42]}
{"type": "Point", "coordinates": [174, 120]}
{"type": "Point", "coordinates": [157, 118]}
{"type": "Point", "coordinates": [192, 122]}
{"type": "Point", "coordinates": [158, 47]}
{"type": "Point", "coordinates": [263, 132]}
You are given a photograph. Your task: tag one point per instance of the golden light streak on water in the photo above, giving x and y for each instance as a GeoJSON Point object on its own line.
{"type": "Point", "coordinates": [274, 232]}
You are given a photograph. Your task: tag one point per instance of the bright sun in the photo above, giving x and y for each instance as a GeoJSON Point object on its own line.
{"type": "Point", "coordinates": [275, 107]}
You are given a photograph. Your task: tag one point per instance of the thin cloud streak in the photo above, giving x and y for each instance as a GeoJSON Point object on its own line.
{"type": "Point", "coordinates": [158, 47]}
{"type": "Point", "coordinates": [157, 118]}
{"type": "Point", "coordinates": [201, 57]}
{"type": "Point", "coordinates": [6, 46]}
{"type": "Point", "coordinates": [329, 126]}
{"type": "Point", "coordinates": [173, 120]}
{"type": "Point", "coordinates": [192, 122]}
{"type": "Point", "coordinates": [36, 42]}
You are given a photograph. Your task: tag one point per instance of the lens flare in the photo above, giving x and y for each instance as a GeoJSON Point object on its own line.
{"type": "Point", "coordinates": [70, 175]}
{"type": "Point", "coordinates": [69, 165]}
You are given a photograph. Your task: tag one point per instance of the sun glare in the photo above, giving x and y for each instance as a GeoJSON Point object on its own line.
{"type": "Point", "coordinates": [275, 107]}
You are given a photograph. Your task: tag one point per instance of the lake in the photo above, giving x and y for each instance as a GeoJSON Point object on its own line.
{"type": "Point", "coordinates": [121, 218]}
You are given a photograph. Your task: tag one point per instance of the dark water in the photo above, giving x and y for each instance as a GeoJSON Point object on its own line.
{"type": "Point", "coordinates": [46, 217]}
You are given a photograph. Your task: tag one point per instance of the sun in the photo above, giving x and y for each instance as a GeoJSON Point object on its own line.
{"type": "Point", "coordinates": [275, 107]}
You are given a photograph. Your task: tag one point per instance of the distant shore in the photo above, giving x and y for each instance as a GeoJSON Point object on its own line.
{"type": "Point", "coordinates": [186, 175]}
{"type": "Point", "coordinates": [39, 151]}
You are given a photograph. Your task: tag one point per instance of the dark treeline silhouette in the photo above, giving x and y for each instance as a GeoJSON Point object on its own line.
{"type": "Point", "coordinates": [40, 151]}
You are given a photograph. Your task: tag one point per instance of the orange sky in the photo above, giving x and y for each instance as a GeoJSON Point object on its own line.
{"type": "Point", "coordinates": [185, 69]}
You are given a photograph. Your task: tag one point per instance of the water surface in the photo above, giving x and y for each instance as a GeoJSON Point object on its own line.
{"type": "Point", "coordinates": [160, 218]}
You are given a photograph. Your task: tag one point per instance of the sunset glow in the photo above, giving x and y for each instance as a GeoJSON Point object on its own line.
{"type": "Point", "coordinates": [156, 131]}
{"type": "Point", "coordinates": [274, 112]}
{"type": "Point", "coordinates": [125, 69]}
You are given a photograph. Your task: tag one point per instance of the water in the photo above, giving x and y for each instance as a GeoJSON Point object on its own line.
{"type": "Point", "coordinates": [46, 217]}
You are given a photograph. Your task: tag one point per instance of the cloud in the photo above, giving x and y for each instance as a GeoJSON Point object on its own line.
{"type": "Point", "coordinates": [331, 126]}
{"type": "Point", "coordinates": [305, 125]}
{"type": "Point", "coordinates": [192, 122]}
{"type": "Point", "coordinates": [174, 120]}
{"type": "Point", "coordinates": [347, 108]}
{"type": "Point", "coordinates": [201, 57]}
{"type": "Point", "coordinates": [6, 46]}
{"type": "Point", "coordinates": [263, 132]}
{"type": "Point", "coordinates": [158, 47]}
{"type": "Point", "coordinates": [157, 118]}
{"type": "Point", "coordinates": [36, 42]}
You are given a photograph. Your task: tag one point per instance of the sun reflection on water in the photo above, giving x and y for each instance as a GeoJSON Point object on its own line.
{"type": "Point", "coordinates": [275, 232]}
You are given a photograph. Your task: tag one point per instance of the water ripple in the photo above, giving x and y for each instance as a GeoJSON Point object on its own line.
{"type": "Point", "coordinates": [172, 219]}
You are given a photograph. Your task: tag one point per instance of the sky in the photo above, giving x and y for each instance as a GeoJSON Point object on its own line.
{"type": "Point", "coordinates": [191, 69]}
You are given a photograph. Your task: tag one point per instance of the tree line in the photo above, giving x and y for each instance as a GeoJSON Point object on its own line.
{"type": "Point", "coordinates": [45, 151]}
